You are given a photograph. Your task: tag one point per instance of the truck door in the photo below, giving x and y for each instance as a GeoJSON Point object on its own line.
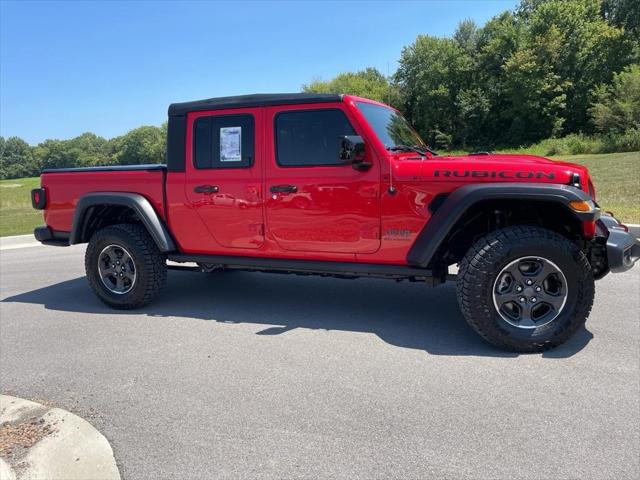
{"type": "Point", "coordinates": [223, 178]}
{"type": "Point", "coordinates": [314, 202]}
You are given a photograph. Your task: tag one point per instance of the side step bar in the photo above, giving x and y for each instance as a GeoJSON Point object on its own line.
{"type": "Point", "coordinates": [339, 269]}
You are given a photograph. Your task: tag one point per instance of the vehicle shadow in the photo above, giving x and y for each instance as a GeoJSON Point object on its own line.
{"type": "Point", "coordinates": [406, 315]}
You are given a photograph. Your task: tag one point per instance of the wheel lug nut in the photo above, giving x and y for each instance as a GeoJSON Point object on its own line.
{"type": "Point", "coordinates": [537, 289]}
{"type": "Point", "coordinates": [518, 288]}
{"type": "Point", "coordinates": [534, 299]}
{"type": "Point", "coordinates": [522, 299]}
{"type": "Point", "coordinates": [529, 282]}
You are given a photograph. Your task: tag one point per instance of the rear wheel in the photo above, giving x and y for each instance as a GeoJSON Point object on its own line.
{"type": "Point", "coordinates": [124, 266]}
{"type": "Point", "coordinates": [525, 289]}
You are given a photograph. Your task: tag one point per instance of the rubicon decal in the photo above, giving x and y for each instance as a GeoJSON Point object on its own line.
{"type": "Point", "coordinates": [492, 174]}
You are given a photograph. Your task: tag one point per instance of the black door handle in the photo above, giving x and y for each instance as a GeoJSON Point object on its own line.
{"type": "Point", "coordinates": [283, 189]}
{"type": "Point", "coordinates": [206, 189]}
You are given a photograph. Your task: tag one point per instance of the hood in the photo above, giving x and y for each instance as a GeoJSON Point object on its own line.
{"type": "Point", "coordinates": [489, 168]}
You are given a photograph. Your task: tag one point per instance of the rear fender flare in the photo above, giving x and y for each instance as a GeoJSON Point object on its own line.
{"type": "Point", "coordinates": [459, 201]}
{"type": "Point", "coordinates": [136, 202]}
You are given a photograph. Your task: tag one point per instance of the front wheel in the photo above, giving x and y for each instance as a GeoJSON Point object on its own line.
{"type": "Point", "coordinates": [525, 289]}
{"type": "Point", "coordinates": [124, 266]}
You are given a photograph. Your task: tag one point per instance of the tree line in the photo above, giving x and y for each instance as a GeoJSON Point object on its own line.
{"type": "Point", "coordinates": [145, 144]}
{"type": "Point", "coordinates": [548, 69]}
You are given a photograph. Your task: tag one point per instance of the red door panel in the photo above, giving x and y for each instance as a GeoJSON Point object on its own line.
{"type": "Point", "coordinates": [226, 197]}
{"type": "Point", "coordinates": [328, 208]}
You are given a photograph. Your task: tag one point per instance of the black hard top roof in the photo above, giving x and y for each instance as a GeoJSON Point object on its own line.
{"type": "Point", "coordinates": [255, 100]}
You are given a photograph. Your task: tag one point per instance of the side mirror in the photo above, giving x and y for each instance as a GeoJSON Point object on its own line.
{"type": "Point", "coordinates": [352, 152]}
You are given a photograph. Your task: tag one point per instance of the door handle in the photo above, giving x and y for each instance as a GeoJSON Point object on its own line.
{"type": "Point", "coordinates": [206, 189]}
{"type": "Point", "coordinates": [283, 189]}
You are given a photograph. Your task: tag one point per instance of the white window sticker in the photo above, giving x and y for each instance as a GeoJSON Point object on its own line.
{"type": "Point", "coordinates": [231, 144]}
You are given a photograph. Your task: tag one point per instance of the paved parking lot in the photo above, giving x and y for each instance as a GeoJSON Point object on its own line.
{"type": "Point", "coordinates": [246, 375]}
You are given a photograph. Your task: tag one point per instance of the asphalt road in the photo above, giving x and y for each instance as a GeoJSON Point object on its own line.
{"type": "Point", "coordinates": [250, 375]}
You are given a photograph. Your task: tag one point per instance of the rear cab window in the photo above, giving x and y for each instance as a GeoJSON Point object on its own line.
{"type": "Point", "coordinates": [224, 141]}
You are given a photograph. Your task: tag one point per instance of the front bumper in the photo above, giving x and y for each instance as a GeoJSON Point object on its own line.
{"type": "Point", "coordinates": [623, 248]}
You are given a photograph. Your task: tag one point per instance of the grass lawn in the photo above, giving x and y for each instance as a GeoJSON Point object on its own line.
{"type": "Point", "coordinates": [16, 214]}
{"type": "Point", "coordinates": [615, 175]}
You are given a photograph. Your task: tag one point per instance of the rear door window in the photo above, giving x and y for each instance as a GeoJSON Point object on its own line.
{"type": "Point", "coordinates": [224, 141]}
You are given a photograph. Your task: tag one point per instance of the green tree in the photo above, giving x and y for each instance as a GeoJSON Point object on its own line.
{"type": "Point", "coordinates": [587, 50]}
{"type": "Point", "coordinates": [473, 106]}
{"type": "Point", "coordinates": [89, 149]}
{"type": "Point", "coordinates": [466, 36]}
{"type": "Point", "coordinates": [141, 145]}
{"type": "Point", "coordinates": [624, 14]}
{"type": "Point", "coordinates": [367, 83]}
{"type": "Point", "coordinates": [432, 72]}
{"type": "Point", "coordinates": [16, 158]}
{"type": "Point", "coordinates": [498, 40]}
{"type": "Point", "coordinates": [535, 93]}
{"type": "Point", "coordinates": [615, 108]}
{"type": "Point", "coordinates": [55, 154]}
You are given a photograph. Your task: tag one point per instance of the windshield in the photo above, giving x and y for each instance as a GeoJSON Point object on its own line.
{"type": "Point", "coordinates": [391, 127]}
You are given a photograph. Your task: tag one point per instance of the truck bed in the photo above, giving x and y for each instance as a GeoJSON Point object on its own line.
{"type": "Point", "coordinates": [65, 186]}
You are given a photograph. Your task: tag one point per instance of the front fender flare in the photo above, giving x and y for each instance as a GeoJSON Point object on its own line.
{"type": "Point", "coordinates": [459, 201]}
{"type": "Point", "coordinates": [136, 202]}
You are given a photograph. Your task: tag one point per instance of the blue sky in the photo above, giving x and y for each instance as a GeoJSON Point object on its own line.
{"type": "Point", "coordinates": [107, 67]}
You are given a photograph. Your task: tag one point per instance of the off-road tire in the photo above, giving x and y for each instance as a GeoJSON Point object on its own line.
{"type": "Point", "coordinates": [485, 260]}
{"type": "Point", "coordinates": [150, 265]}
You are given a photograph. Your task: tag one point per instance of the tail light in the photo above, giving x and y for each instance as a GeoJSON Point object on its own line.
{"type": "Point", "coordinates": [38, 198]}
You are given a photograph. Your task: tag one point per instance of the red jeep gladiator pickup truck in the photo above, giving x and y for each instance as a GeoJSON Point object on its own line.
{"type": "Point", "coordinates": [343, 186]}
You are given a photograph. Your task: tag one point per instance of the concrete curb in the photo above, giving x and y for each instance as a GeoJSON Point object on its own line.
{"type": "Point", "coordinates": [18, 241]}
{"type": "Point", "coordinates": [71, 448]}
